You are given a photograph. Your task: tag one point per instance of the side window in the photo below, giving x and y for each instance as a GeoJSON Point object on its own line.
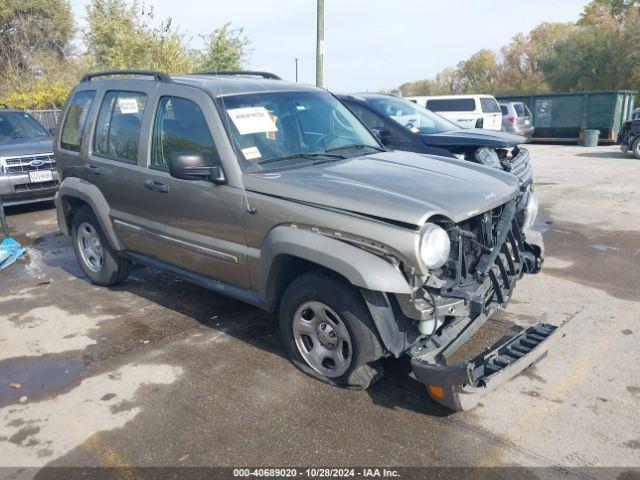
{"type": "Point", "coordinates": [504, 110]}
{"type": "Point", "coordinates": [118, 126]}
{"type": "Point", "coordinates": [73, 127]}
{"type": "Point", "coordinates": [370, 120]}
{"type": "Point", "coordinates": [180, 126]}
{"type": "Point", "coordinates": [489, 105]}
{"type": "Point", "coordinates": [452, 105]}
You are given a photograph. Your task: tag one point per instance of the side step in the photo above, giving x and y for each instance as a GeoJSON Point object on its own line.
{"type": "Point", "coordinates": [460, 386]}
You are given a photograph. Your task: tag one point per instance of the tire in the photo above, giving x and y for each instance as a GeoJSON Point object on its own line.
{"type": "Point", "coordinates": [318, 298]}
{"type": "Point", "coordinates": [635, 148]}
{"type": "Point", "coordinates": [104, 267]}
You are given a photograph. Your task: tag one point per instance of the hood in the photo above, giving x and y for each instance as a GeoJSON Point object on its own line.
{"type": "Point", "coordinates": [401, 187]}
{"type": "Point", "coordinates": [26, 147]}
{"type": "Point", "coordinates": [474, 138]}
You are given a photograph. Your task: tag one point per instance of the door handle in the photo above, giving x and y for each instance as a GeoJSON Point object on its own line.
{"type": "Point", "coordinates": [92, 169]}
{"type": "Point", "coordinates": [156, 186]}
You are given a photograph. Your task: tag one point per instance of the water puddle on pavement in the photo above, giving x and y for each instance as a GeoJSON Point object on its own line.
{"type": "Point", "coordinates": [37, 377]}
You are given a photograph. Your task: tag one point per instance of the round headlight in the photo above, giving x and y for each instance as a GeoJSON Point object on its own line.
{"type": "Point", "coordinates": [531, 211]}
{"type": "Point", "coordinates": [434, 246]}
{"type": "Point", "coordinates": [489, 157]}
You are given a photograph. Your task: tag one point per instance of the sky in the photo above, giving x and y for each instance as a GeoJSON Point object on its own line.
{"type": "Point", "coordinates": [369, 45]}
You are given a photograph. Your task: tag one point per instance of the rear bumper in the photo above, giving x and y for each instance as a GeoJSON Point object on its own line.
{"type": "Point", "coordinates": [460, 386]}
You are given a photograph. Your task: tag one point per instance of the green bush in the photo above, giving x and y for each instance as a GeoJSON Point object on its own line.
{"type": "Point", "coordinates": [37, 97]}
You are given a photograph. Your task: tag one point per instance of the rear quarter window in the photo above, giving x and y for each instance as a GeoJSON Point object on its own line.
{"type": "Point", "coordinates": [74, 122]}
{"type": "Point", "coordinates": [519, 108]}
{"type": "Point", "coordinates": [452, 105]}
{"type": "Point", "coordinates": [504, 109]}
{"type": "Point", "coordinates": [489, 105]}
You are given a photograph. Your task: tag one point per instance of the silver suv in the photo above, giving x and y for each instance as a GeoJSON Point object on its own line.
{"type": "Point", "coordinates": [27, 167]}
{"type": "Point", "coordinates": [517, 119]}
{"type": "Point", "coordinates": [276, 194]}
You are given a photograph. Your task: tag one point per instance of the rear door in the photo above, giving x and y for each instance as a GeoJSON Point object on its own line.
{"type": "Point", "coordinates": [491, 113]}
{"type": "Point", "coordinates": [114, 153]}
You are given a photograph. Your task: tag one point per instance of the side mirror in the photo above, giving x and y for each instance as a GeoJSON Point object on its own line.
{"type": "Point", "coordinates": [382, 134]}
{"type": "Point", "coordinates": [192, 166]}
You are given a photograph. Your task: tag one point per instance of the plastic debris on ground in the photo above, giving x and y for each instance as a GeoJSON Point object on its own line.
{"type": "Point", "coordinates": [10, 251]}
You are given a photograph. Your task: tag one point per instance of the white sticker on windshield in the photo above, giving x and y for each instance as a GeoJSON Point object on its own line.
{"type": "Point", "coordinates": [252, 120]}
{"type": "Point", "coordinates": [251, 153]}
{"type": "Point", "coordinates": [128, 105]}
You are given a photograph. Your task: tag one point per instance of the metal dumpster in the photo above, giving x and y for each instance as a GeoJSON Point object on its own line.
{"type": "Point", "coordinates": [563, 117]}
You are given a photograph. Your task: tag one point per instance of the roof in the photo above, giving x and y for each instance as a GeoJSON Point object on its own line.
{"type": "Point", "coordinates": [366, 95]}
{"type": "Point", "coordinates": [217, 84]}
{"type": "Point", "coordinates": [437, 97]}
{"type": "Point", "coordinates": [221, 85]}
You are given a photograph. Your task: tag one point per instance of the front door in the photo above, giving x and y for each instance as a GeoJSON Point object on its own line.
{"type": "Point", "coordinates": [193, 224]}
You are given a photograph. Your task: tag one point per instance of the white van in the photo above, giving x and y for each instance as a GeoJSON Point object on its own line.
{"type": "Point", "coordinates": [468, 111]}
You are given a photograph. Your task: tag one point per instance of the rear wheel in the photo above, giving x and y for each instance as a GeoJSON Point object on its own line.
{"type": "Point", "coordinates": [97, 259]}
{"type": "Point", "coordinates": [635, 148]}
{"type": "Point", "coordinates": [327, 331]}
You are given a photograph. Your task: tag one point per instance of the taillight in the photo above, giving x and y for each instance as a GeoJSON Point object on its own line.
{"type": "Point", "coordinates": [511, 119]}
{"type": "Point", "coordinates": [480, 123]}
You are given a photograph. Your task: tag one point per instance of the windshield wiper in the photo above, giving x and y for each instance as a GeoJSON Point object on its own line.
{"type": "Point", "coordinates": [356, 146]}
{"type": "Point", "coordinates": [301, 155]}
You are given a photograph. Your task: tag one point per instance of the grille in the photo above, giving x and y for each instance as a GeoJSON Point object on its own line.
{"type": "Point", "coordinates": [486, 248]}
{"type": "Point", "coordinates": [25, 187]}
{"type": "Point", "coordinates": [520, 166]}
{"type": "Point", "coordinates": [29, 163]}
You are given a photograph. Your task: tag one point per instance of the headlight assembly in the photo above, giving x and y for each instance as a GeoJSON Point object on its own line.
{"type": "Point", "coordinates": [488, 157]}
{"type": "Point", "coordinates": [434, 246]}
{"type": "Point", "coordinates": [531, 211]}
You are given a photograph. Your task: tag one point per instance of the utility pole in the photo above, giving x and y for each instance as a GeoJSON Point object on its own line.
{"type": "Point", "coordinates": [296, 70]}
{"type": "Point", "coordinates": [320, 44]}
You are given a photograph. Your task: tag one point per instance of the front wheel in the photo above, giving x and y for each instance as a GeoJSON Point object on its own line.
{"type": "Point", "coordinates": [635, 148]}
{"type": "Point", "coordinates": [327, 331]}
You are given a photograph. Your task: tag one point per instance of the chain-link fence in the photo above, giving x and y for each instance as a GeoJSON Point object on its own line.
{"type": "Point", "coordinates": [48, 118]}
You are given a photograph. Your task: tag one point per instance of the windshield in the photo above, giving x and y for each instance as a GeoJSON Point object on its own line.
{"type": "Point", "coordinates": [284, 129]}
{"type": "Point", "coordinates": [15, 126]}
{"type": "Point", "coordinates": [411, 116]}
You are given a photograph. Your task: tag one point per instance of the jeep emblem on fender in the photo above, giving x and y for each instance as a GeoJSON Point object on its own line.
{"type": "Point", "coordinates": [489, 196]}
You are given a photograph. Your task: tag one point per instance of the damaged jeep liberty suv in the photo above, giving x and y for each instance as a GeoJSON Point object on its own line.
{"type": "Point", "coordinates": [275, 194]}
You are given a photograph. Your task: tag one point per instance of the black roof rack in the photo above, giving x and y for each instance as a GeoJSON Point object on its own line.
{"type": "Point", "coordinates": [247, 73]}
{"type": "Point", "coordinates": [159, 76]}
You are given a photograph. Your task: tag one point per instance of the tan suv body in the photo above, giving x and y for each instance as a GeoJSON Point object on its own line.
{"type": "Point", "coordinates": [275, 194]}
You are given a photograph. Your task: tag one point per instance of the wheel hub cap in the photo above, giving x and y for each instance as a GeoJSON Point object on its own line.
{"type": "Point", "coordinates": [322, 339]}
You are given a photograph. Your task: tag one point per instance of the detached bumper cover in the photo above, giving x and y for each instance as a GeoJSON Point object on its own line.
{"type": "Point", "coordinates": [460, 386]}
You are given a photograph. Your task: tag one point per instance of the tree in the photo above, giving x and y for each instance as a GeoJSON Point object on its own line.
{"type": "Point", "coordinates": [601, 53]}
{"type": "Point", "coordinates": [121, 36]}
{"type": "Point", "coordinates": [225, 49]}
{"type": "Point", "coordinates": [34, 35]}
{"type": "Point", "coordinates": [521, 68]}
{"type": "Point", "coordinates": [480, 73]}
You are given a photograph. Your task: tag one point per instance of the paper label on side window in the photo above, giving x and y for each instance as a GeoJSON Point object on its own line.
{"type": "Point", "coordinates": [128, 105]}
{"type": "Point", "coordinates": [251, 153]}
{"type": "Point", "coordinates": [252, 120]}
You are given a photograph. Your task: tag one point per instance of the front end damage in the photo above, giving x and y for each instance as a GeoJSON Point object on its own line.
{"type": "Point", "coordinates": [489, 254]}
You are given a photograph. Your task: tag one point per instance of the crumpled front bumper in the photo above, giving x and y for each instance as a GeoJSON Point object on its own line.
{"type": "Point", "coordinates": [460, 386]}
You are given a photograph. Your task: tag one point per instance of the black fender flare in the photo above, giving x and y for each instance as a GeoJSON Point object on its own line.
{"type": "Point", "coordinates": [361, 268]}
{"type": "Point", "coordinates": [76, 188]}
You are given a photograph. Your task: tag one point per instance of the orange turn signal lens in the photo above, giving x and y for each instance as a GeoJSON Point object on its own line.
{"type": "Point", "coordinates": [437, 392]}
